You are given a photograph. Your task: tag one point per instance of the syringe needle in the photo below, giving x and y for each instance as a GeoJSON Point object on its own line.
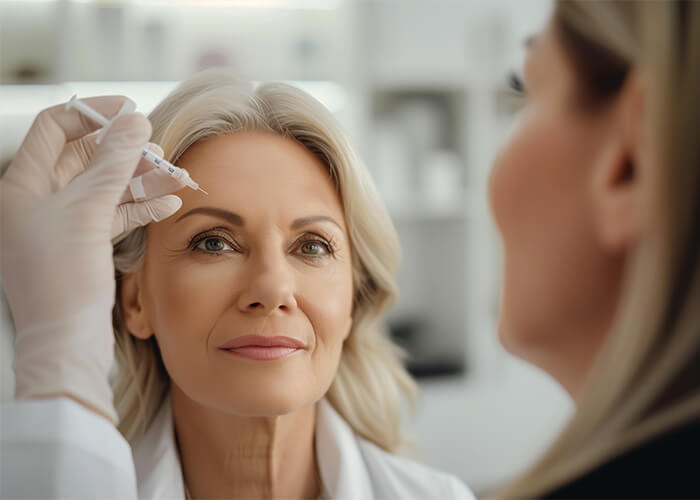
{"type": "Point", "coordinates": [172, 170]}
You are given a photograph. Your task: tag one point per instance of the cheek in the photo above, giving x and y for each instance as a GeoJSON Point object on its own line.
{"type": "Point", "coordinates": [327, 303]}
{"type": "Point", "coordinates": [176, 291]}
{"type": "Point", "coordinates": [522, 168]}
{"type": "Point", "coordinates": [539, 198]}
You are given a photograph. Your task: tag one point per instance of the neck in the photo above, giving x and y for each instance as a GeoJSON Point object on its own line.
{"type": "Point", "coordinates": [228, 456]}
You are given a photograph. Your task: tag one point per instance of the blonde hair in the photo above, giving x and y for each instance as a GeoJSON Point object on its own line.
{"type": "Point", "coordinates": [646, 379]}
{"type": "Point", "coordinates": [371, 379]}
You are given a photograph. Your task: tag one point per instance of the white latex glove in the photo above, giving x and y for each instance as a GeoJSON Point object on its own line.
{"type": "Point", "coordinates": [58, 214]}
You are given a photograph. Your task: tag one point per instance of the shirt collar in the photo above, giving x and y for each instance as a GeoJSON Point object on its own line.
{"type": "Point", "coordinates": [344, 474]}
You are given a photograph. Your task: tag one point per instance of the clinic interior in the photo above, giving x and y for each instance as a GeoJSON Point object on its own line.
{"type": "Point", "coordinates": [421, 88]}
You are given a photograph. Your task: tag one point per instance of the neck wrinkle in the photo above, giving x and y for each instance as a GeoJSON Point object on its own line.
{"type": "Point", "coordinates": [266, 457]}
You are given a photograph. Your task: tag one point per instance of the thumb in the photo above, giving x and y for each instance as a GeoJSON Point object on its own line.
{"type": "Point", "coordinates": [117, 156]}
{"type": "Point", "coordinates": [132, 215]}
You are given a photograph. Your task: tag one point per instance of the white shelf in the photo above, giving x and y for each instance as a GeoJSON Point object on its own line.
{"type": "Point", "coordinates": [421, 210]}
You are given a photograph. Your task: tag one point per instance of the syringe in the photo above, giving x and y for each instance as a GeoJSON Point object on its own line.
{"type": "Point", "coordinates": [177, 173]}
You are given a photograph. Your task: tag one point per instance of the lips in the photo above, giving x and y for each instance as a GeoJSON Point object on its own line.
{"type": "Point", "coordinates": [262, 348]}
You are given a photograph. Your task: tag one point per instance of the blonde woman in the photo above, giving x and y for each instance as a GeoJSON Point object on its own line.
{"type": "Point", "coordinates": [250, 362]}
{"type": "Point", "coordinates": [597, 197]}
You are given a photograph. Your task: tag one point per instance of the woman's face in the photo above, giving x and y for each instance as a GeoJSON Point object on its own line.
{"type": "Point", "coordinates": [267, 254]}
{"type": "Point", "coordinates": [548, 194]}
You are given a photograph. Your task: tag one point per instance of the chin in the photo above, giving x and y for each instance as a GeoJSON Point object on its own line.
{"type": "Point", "coordinates": [259, 401]}
{"type": "Point", "coordinates": [511, 337]}
{"type": "Point", "coordinates": [267, 407]}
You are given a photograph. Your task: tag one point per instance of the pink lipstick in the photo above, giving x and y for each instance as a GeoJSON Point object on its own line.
{"type": "Point", "coordinates": [262, 348]}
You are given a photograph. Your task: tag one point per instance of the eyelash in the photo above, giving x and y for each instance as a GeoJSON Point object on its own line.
{"type": "Point", "coordinates": [210, 235]}
{"type": "Point", "coordinates": [516, 84]}
{"type": "Point", "coordinates": [328, 244]}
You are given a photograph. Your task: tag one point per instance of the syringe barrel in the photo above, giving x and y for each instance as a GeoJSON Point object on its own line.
{"type": "Point", "coordinates": [163, 164]}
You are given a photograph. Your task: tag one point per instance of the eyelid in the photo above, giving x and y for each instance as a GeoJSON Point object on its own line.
{"type": "Point", "coordinates": [516, 83]}
{"type": "Point", "coordinates": [215, 232]}
{"type": "Point", "coordinates": [310, 237]}
{"type": "Point", "coordinates": [328, 241]}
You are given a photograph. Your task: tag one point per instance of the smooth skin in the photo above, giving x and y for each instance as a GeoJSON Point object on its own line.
{"type": "Point", "coordinates": [566, 193]}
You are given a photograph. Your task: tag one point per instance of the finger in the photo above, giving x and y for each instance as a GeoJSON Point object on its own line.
{"type": "Point", "coordinates": [143, 168]}
{"type": "Point", "coordinates": [114, 161]}
{"type": "Point", "coordinates": [74, 159]}
{"type": "Point", "coordinates": [55, 126]}
{"type": "Point", "coordinates": [145, 165]}
{"type": "Point", "coordinates": [132, 215]}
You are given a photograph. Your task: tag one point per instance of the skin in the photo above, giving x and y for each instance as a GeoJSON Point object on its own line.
{"type": "Point", "coordinates": [245, 428]}
{"type": "Point", "coordinates": [565, 194]}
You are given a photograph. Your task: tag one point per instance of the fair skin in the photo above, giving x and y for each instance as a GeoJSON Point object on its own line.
{"type": "Point", "coordinates": [565, 194]}
{"type": "Point", "coordinates": [265, 253]}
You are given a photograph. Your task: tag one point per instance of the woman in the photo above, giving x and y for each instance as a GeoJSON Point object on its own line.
{"type": "Point", "coordinates": [597, 197]}
{"type": "Point", "coordinates": [249, 358]}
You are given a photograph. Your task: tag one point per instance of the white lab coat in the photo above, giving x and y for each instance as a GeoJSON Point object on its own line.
{"type": "Point", "coordinates": [55, 448]}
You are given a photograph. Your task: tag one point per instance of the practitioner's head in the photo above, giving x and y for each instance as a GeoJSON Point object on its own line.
{"type": "Point", "coordinates": [597, 197]}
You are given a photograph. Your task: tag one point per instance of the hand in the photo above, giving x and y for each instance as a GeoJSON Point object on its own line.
{"type": "Point", "coordinates": [58, 213]}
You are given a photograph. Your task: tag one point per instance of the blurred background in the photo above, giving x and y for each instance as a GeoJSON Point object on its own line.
{"type": "Point", "coordinates": [421, 88]}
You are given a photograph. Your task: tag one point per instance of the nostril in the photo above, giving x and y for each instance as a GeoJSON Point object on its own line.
{"type": "Point", "coordinates": [255, 305]}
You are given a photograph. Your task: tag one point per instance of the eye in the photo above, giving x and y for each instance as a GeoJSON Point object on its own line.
{"type": "Point", "coordinates": [313, 248]}
{"type": "Point", "coordinates": [212, 244]}
{"type": "Point", "coordinates": [516, 84]}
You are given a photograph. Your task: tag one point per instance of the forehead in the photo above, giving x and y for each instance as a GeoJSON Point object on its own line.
{"type": "Point", "coordinates": [258, 169]}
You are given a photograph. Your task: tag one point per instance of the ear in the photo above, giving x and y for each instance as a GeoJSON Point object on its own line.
{"type": "Point", "coordinates": [616, 179]}
{"type": "Point", "coordinates": [135, 315]}
{"type": "Point", "coordinates": [348, 329]}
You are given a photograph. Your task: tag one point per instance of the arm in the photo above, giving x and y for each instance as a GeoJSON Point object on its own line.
{"type": "Point", "coordinates": [55, 448]}
{"type": "Point", "coordinates": [60, 207]}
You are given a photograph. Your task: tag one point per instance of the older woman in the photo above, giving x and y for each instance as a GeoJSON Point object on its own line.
{"type": "Point", "coordinates": [250, 362]}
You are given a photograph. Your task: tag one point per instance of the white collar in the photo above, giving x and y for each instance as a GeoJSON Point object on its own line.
{"type": "Point", "coordinates": [343, 470]}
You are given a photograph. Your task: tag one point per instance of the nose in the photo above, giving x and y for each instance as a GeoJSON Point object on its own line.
{"type": "Point", "coordinates": [269, 287]}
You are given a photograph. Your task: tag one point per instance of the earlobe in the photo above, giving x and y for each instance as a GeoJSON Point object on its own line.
{"type": "Point", "coordinates": [135, 315]}
{"type": "Point", "coordinates": [348, 329]}
{"type": "Point", "coordinates": [617, 179]}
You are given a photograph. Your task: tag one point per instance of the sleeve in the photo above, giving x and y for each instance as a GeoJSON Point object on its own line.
{"type": "Point", "coordinates": [458, 490]}
{"type": "Point", "coordinates": [55, 448]}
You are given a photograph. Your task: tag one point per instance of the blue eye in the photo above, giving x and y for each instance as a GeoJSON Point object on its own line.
{"type": "Point", "coordinates": [213, 245]}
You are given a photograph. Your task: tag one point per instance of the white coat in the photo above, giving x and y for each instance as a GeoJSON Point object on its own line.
{"type": "Point", "coordinates": [55, 448]}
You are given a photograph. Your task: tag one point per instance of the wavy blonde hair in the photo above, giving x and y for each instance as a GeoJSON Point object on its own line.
{"type": "Point", "coordinates": [646, 379]}
{"type": "Point", "coordinates": [371, 379]}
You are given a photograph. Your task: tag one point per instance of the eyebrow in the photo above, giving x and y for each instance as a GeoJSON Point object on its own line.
{"type": "Point", "coordinates": [306, 221]}
{"type": "Point", "coordinates": [237, 220]}
{"type": "Point", "coordinates": [234, 219]}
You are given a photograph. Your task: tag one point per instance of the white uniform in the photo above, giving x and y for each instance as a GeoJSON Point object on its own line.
{"type": "Point", "coordinates": [55, 448]}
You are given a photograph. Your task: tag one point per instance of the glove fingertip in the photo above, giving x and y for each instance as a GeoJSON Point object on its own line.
{"type": "Point", "coordinates": [155, 148]}
{"type": "Point", "coordinates": [165, 206]}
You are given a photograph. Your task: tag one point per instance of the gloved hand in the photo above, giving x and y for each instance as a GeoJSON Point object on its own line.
{"type": "Point", "coordinates": [58, 213]}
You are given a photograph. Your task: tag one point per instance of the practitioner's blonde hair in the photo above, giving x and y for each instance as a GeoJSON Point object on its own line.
{"type": "Point", "coordinates": [646, 380]}
{"type": "Point", "coordinates": [368, 387]}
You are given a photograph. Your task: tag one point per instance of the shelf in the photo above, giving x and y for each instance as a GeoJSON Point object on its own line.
{"type": "Point", "coordinates": [30, 99]}
{"type": "Point", "coordinates": [423, 211]}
